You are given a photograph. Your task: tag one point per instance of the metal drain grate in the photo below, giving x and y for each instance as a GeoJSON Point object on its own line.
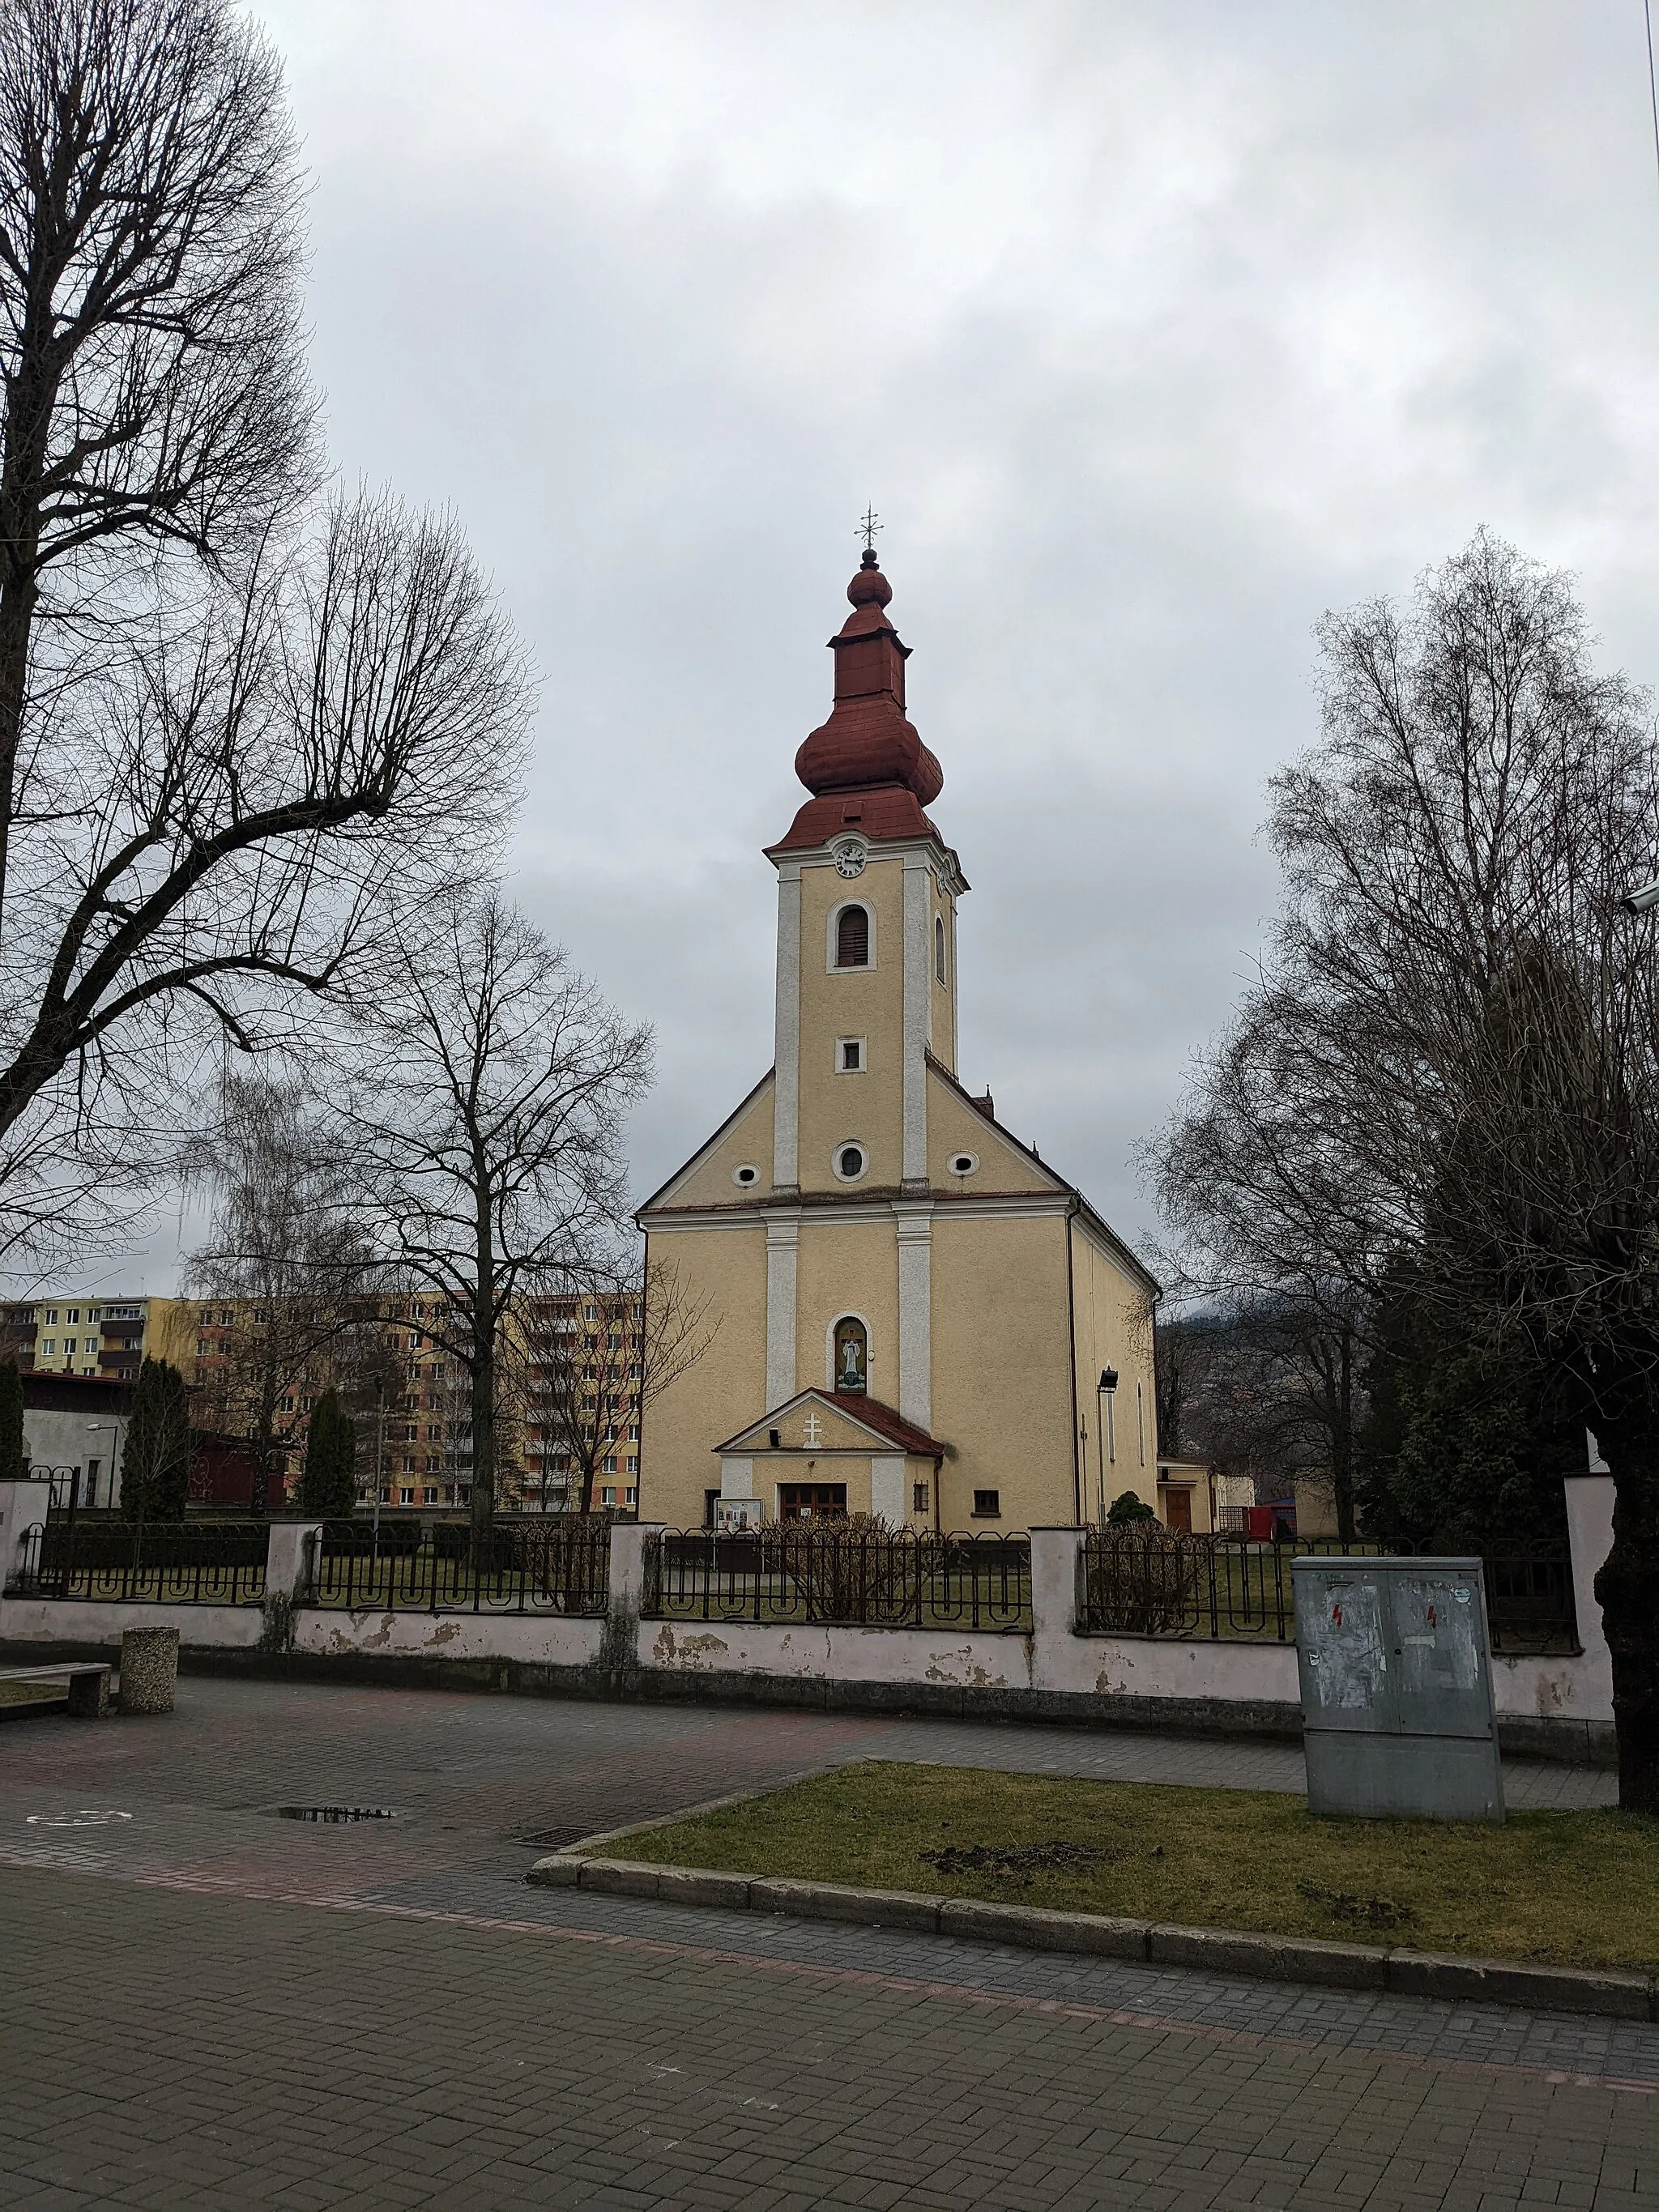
{"type": "Point", "coordinates": [554, 1839]}
{"type": "Point", "coordinates": [334, 1813]}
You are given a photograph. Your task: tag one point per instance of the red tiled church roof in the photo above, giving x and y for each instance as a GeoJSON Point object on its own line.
{"type": "Point", "coordinates": [886, 1420]}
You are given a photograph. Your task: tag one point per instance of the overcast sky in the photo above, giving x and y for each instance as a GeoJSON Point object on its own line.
{"type": "Point", "coordinates": [1151, 331]}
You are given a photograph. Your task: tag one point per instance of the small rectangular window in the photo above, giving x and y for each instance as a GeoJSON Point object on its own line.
{"type": "Point", "coordinates": [405, 1496]}
{"type": "Point", "coordinates": [918, 1498]}
{"type": "Point", "coordinates": [987, 1504]}
{"type": "Point", "coordinates": [852, 1055]}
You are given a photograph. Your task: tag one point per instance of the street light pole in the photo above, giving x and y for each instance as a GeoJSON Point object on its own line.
{"type": "Point", "coordinates": [1106, 1432]}
{"type": "Point", "coordinates": [379, 1456]}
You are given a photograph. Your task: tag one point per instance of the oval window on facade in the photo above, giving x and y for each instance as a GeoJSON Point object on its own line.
{"type": "Point", "coordinates": [850, 1162]}
{"type": "Point", "coordinates": [852, 1356]}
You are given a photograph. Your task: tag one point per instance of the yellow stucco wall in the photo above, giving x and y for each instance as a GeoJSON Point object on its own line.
{"type": "Point", "coordinates": [1114, 1329]}
{"type": "Point", "coordinates": [748, 1142]}
{"type": "Point", "coordinates": [953, 1126]}
{"type": "Point", "coordinates": [942, 1038]}
{"type": "Point", "coordinates": [852, 1002]}
{"type": "Point", "coordinates": [848, 1267]}
{"type": "Point", "coordinates": [1001, 1385]}
{"type": "Point", "coordinates": [726, 1386]}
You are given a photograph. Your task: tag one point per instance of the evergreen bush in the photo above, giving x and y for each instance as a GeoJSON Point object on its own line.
{"type": "Point", "coordinates": [156, 1461]}
{"type": "Point", "coordinates": [328, 1486]}
{"type": "Point", "coordinates": [11, 1423]}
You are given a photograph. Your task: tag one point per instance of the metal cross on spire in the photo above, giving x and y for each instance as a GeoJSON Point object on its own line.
{"type": "Point", "coordinates": [869, 528]}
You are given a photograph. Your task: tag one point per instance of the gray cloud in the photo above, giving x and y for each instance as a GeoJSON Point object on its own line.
{"type": "Point", "coordinates": [1152, 332]}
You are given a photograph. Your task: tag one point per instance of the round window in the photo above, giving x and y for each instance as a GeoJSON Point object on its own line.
{"type": "Point", "coordinates": [963, 1163]}
{"type": "Point", "coordinates": [850, 1162]}
{"type": "Point", "coordinates": [744, 1176]}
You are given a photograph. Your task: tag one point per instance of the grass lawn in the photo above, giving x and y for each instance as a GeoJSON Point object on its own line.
{"type": "Point", "coordinates": [1578, 1889]}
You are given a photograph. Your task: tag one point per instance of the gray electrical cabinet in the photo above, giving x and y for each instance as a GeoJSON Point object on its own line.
{"type": "Point", "coordinates": [1396, 1689]}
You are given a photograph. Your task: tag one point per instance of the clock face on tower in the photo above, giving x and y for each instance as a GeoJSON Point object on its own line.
{"type": "Point", "coordinates": [850, 858]}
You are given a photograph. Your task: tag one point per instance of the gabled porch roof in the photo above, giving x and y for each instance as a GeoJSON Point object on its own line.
{"type": "Point", "coordinates": [882, 1425]}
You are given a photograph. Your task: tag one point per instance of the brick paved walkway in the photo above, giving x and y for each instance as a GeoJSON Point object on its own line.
{"type": "Point", "coordinates": [198, 2028]}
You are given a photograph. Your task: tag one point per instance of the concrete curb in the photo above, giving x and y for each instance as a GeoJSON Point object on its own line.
{"type": "Point", "coordinates": [1606, 1994]}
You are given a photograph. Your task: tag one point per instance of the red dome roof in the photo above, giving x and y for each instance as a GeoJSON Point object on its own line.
{"type": "Point", "coordinates": [866, 740]}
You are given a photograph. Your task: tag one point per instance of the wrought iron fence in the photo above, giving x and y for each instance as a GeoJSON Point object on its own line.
{"type": "Point", "coordinates": [818, 1572]}
{"type": "Point", "coordinates": [107, 1560]}
{"type": "Point", "coordinates": [1141, 1582]}
{"type": "Point", "coordinates": [560, 1564]}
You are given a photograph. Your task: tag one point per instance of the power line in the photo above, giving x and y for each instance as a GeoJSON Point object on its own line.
{"type": "Point", "coordinates": [1653, 81]}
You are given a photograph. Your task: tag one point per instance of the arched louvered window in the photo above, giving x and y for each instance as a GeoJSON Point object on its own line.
{"type": "Point", "coordinates": [938, 946]}
{"type": "Point", "coordinates": [852, 937]}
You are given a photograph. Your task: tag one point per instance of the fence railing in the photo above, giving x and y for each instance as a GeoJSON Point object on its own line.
{"type": "Point", "coordinates": [143, 1563]}
{"type": "Point", "coordinates": [815, 1572]}
{"type": "Point", "coordinates": [1141, 1581]}
{"type": "Point", "coordinates": [561, 1565]}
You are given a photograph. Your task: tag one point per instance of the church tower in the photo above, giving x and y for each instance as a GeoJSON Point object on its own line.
{"type": "Point", "coordinates": [912, 1309]}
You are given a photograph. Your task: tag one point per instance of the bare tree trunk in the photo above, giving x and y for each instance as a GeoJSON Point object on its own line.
{"type": "Point", "coordinates": [264, 1433]}
{"type": "Point", "coordinates": [19, 594]}
{"type": "Point", "coordinates": [483, 1369]}
{"type": "Point", "coordinates": [1624, 1587]}
{"type": "Point", "coordinates": [1342, 1438]}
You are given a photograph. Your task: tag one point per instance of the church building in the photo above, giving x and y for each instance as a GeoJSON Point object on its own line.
{"type": "Point", "coordinates": [912, 1315]}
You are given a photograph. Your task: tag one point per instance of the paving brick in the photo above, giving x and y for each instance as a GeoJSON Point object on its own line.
{"type": "Point", "coordinates": [385, 2016]}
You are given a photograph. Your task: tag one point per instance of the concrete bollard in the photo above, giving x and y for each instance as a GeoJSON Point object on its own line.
{"type": "Point", "coordinates": [149, 1668]}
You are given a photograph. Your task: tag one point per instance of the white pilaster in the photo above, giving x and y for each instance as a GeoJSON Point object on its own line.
{"type": "Point", "coordinates": [736, 1478]}
{"type": "Point", "coordinates": [887, 1491]}
{"type": "Point", "coordinates": [785, 1091]}
{"type": "Point", "coordinates": [915, 1316]}
{"type": "Point", "coordinates": [782, 1253]}
{"type": "Point", "coordinates": [918, 1012]}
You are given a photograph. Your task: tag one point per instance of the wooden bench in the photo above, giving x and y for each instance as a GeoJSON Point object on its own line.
{"type": "Point", "coordinates": [87, 1680]}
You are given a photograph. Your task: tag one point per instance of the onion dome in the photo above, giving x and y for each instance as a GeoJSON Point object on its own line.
{"type": "Point", "coordinates": [866, 740]}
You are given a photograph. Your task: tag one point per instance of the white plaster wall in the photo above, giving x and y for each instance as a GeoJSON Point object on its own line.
{"type": "Point", "coordinates": [1569, 1689]}
{"type": "Point", "coordinates": [535, 1639]}
{"type": "Point", "coordinates": [76, 1620]}
{"type": "Point", "coordinates": [1158, 1666]}
{"type": "Point", "coordinates": [837, 1655]}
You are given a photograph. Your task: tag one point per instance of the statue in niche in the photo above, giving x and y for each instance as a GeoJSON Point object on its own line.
{"type": "Point", "coordinates": [851, 1357]}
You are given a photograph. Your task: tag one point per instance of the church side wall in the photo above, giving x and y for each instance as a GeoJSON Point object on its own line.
{"type": "Point", "coordinates": [1113, 1322]}
{"type": "Point", "coordinates": [1001, 1387]}
{"type": "Point", "coordinates": [702, 1407]}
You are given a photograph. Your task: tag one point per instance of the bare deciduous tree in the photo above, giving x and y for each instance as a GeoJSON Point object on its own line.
{"type": "Point", "coordinates": [608, 1344]}
{"type": "Point", "coordinates": [486, 1125]}
{"type": "Point", "coordinates": [1271, 1388]}
{"type": "Point", "coordinates": [1451, 1060]}
{"type": "Point", "coordinates": [234, 730]}
{"type": "Point", "coordinates": [150, 260]}
{"type": "Point", "coordinates": [285, 1247]}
